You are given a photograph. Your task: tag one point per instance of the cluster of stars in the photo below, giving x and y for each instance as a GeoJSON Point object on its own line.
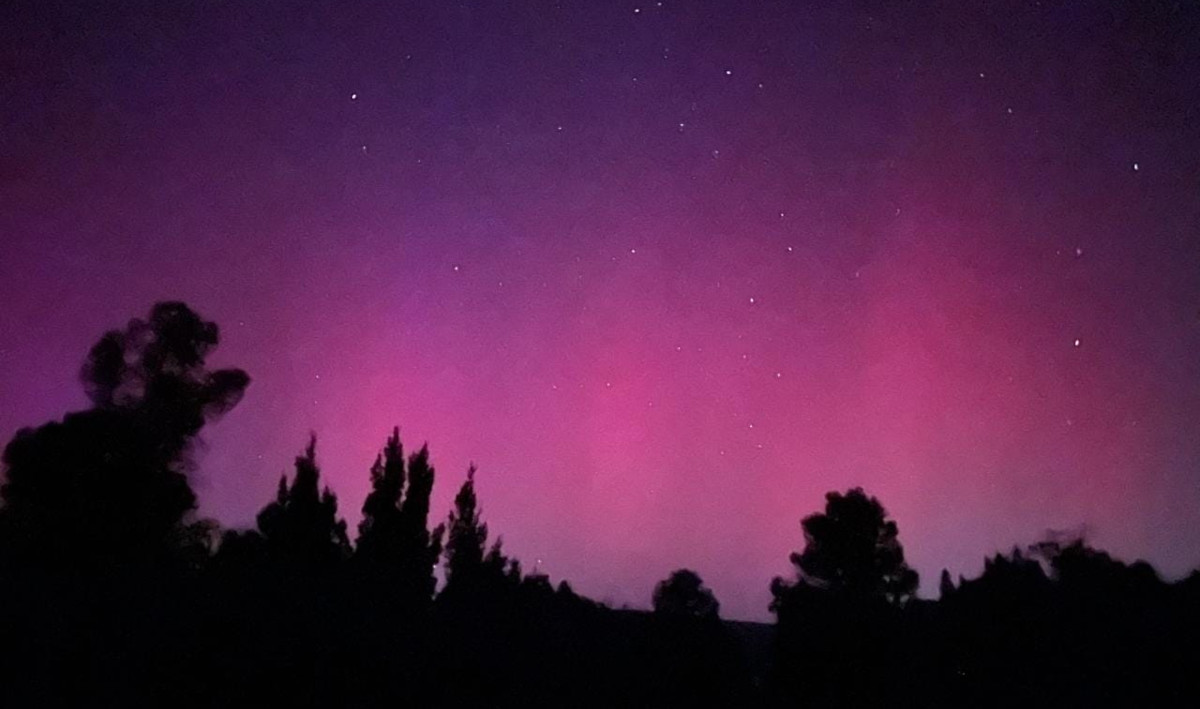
{"type": "Point", "coordinates": [682, 126]}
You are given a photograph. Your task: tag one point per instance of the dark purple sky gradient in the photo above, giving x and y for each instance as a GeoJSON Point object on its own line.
{"type": "Point", "coordinates": [666, 275]}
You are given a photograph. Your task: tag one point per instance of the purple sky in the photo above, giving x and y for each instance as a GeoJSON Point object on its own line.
{"type": "Point", "coordinates": [668, 272]}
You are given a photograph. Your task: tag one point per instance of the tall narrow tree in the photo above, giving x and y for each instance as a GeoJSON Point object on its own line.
{"type": "Point", "coordinates": [465, 547]}
{"type": "Point", "coordinates": [301, 527]}
{"type": "Point", "coordinates": [395, 546]}
{"type": "Point", "coordinates": [420, 548]}
{"type": "Point", "coordinates": [379, 533]}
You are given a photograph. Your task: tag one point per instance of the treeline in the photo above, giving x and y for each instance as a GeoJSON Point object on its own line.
{"type": "Point", "coordinates": [112, 593]}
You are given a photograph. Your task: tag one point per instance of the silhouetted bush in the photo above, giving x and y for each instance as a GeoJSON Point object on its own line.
{"type": "Point", "coordinates": [683, 593]}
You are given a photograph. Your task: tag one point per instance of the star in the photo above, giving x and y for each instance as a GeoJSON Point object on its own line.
{"type": "Point", "coordinates": [353, 97]}
{"type": "Point", "coordinates": [1076, 343]}
{"type": "Point", "coordinates": [1135, 167]}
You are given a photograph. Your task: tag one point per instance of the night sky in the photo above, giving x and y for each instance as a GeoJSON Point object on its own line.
{"type": "Point", "coordinates": [668, 272]}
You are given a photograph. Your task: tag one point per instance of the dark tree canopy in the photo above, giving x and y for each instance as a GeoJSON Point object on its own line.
{"type": "Point", "coordinates": [301, 527]}
{"type": "Point", "coordinates": [157, 366]}
{"type": "Point", "coordinates": [683, 593]}
{"type": "Point", "coordinates": [852, 550]}
{"type": "Point", "coordinates": [118, 472]}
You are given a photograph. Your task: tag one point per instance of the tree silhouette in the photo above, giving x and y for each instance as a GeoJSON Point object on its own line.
{"type": "Point", "coordinates": [394, 542]}
{"type": "Point", "coordinates": [106, 576]}
{"type": "Point", "coordinates": [1076, 566]}
{"type": "Point", "coordinates": [109, 485]}
{"type": "Point", "coordinates": [837, 629]}
{"type": "Point", "coordinates": [683, 593]}
{"type": "Point", "coordinates": [852, 550]}
{"type": "Point", "coordinates": [420, 548]}
{"type": "Point", "coordinates": [301, 527]}
{"type": "Point", "coordinates": [467, 537]}
{"type": "Point", "coordinates": [379, 536]}
{"type": "Point", "coordinates": [945, 585]}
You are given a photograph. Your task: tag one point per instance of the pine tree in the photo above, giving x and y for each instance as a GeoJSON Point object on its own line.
{"type": "Point", "coordinates": [467, 537]}
{"type": "Point", "coordinates": [301, 527]}
{"type": "Point", "coordinates": [420, 549]}
{"type": "Point", "coordinates": [395, 546]}
{"type": "Point", "coordinates": [379, 532]}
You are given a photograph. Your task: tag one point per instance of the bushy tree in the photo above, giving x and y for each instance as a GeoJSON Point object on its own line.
{"type": "Point", "coordinates": [109, 485]}
{"type": "Point", "coordinates": [839, 632]}
{"type": "Point", "coordinates": [852, 550]}
{"type": "Point", "coordinates": [684, 594]}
